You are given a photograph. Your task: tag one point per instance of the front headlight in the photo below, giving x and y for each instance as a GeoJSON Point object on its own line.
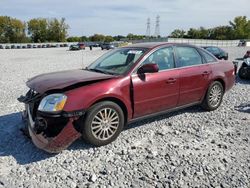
{"type": "Point", "coordinates": [52, 103]}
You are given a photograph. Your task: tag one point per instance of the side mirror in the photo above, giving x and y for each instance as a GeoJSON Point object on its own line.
{"type": "Point", "coordinates": [148, 68]}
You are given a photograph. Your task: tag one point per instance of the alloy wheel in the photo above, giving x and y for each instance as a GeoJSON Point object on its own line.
{"type": "Point", "coordinates": [215, 95]}
{"type": "Point", "coordinates": [105, 124]}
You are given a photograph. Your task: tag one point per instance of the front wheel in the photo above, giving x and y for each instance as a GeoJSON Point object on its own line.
{"type": "Point", "coordinates": [213, 96]}
{"type": "Point", "coordinates": [103, 123]}
{"type": "Point", "coordinates": [243, 72]}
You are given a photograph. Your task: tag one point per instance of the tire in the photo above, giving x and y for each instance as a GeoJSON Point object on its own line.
{"type": "Point", "coordinates": [96, 129]}
{"type": "Point", "coordinates": [215, 90]}
{"type": "Point", "coordinates": [102, 48]}
{"type": "Point", "coordinates": [242, 72]}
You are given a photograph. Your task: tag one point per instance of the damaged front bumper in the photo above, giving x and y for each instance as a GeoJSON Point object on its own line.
{"type": "Point", "coordinates": [59, 141]}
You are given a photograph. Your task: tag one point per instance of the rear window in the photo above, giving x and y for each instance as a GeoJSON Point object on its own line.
{"type": "Point", "coordinates": [209, 58]}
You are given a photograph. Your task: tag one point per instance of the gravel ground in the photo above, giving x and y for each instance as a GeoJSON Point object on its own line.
{"type": "Point", "coordinates": [188, 148]}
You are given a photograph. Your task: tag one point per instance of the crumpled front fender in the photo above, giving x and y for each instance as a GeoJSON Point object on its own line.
{"type": "Point", "coordinates": [58, 143]}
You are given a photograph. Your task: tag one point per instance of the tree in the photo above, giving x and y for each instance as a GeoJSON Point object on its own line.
{"type": "Point", "coordinates": [177, 33]}
{"type": "Point", "coordinates": [241, 27]}
{"type": "Point", "coordinates": [108, 39]}
{"type": "Point", "coordinates": [74, 39]}
{"type": "Point", "coordinates": [119, 37]}
{"type": "Point", "coordinates": [222, 33]}
{"type": "Point", "coordinates": [57, 30]}
{"type": "Point", "coordinates": [97, 38]}
{"type": "Point", "coordinates": [131, 36]}
{"type": "Point", "coordinates": [38, 29]}
{"type": "Point", "coordinates": [12, 30]}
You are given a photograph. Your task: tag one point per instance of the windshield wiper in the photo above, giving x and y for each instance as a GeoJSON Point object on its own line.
{"type": "Point", "coordinates": [100, 71]}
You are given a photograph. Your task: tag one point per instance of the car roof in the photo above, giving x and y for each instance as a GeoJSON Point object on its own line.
{"type": "Point", "coordinates": [151, 45]}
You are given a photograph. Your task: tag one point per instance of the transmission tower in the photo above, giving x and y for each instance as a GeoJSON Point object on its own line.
{"type": "Point", "coordinates": [148, 28]}
{"type": "Point", "coordinates": [157, 26]}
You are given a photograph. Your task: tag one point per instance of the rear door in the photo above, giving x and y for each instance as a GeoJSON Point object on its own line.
{"type": "Point", "coordinates": [194, 75]}
{"type": "Point", "coordinates": [155, 92]}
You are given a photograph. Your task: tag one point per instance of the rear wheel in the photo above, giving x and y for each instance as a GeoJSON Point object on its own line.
{"type": "Point", "coordinates": [213, 96]}
{"type": "Point", "coordinates": [103, 123]}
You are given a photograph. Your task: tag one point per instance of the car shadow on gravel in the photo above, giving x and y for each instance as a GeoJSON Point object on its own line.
{"type": "Point", "coordinates": [14, 143]}
{"type": "Point", "coordinates": [244, 107]}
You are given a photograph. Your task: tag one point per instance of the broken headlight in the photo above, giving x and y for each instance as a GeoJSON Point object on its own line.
{"type": "Point", "coordinates": [52, 103]}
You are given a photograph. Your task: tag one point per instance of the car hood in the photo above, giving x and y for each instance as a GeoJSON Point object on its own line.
{"type": "Point", "coordinates": [63, 79]}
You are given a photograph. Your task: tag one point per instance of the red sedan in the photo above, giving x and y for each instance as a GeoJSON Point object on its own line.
{"type": "Point", "coordinates": [124, 85]}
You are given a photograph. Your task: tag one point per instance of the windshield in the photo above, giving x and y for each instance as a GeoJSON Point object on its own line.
{"type": "Point", "coordinates": [117, 61]}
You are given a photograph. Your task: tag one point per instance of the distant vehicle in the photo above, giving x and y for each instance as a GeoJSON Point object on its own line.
{"type": "Point", "coordinates": [1, 46]}
{"type": "Point", "coordinates": [107, 46]}
{"type": "Point", "coordinates": [74, 47]}
{"type": "Point", "coordinates": [23, 47]}
{"type": "Point", "coordinates": [18, 47]}
{"type": "Point", "coordinates": [7, 47]}
{"type": "Point", "coordinates": [217, 52]}
{"type": "Point", "coordinates": [247, 54]}
{"type": "Point", "coordinates": [61, 45]}
{"type": "Point", "coordinates": [48, 46]}
{"type": "Point", "coordinates": [65, 45]}
{"type": "Point", "coordinates": [43, 45]}
{"type": "Point", "coordinates": [34, 46]}
{"type": "Point", "coordinates": [124, 85]}
{"type": "Point", "coordinates": [81, 45]}
{"type": "Point", "coordinates": [29, 46]}
{"type": "Point", "coordinates": [12, 46]}
{"type": "Point", "coordinates": [53, 46]}
{"type": "Point", "coordinates": [244, 71]}
{"type": "Point", "coordinates": [95, 45]}
{"type": "Point", "coordinates": [242, 43]}
{"type": "Point", "coordinates": [57, 45]}
{"type": "Point", "coordinates": [39, 46]}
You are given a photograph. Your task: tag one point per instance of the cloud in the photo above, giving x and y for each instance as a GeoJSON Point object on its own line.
{"type": "Point", "coordinates": [123, 17]}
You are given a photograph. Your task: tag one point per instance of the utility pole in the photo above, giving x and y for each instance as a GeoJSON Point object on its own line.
{"type": "Point", "coordinates": [157, 26]}
{"type": "Point", "coordinates": [148, 28]}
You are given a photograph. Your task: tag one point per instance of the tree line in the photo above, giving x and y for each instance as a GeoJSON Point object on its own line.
{"type": "Point", "coordinates": [13, 30]}
{"type": "Point", "coordinates": [239, 28]}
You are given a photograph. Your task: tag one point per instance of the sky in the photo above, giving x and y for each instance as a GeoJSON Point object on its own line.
{"type": "Point", "coordinates": [120, 17]}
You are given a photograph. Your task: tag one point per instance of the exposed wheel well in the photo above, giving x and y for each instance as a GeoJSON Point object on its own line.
{"type": "Point", "coordinates": [119, 102]}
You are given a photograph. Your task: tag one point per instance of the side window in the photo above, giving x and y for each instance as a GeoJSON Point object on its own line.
{"type": "Point", "coordinates": [208, 57]}
{"type": "Point", "coordinates": [164, 58]}
{"type": "Point", "coordinates": [188, 56]}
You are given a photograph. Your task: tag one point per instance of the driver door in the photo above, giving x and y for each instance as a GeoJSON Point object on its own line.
{"type": "Point", "coordinates": [155, 92]}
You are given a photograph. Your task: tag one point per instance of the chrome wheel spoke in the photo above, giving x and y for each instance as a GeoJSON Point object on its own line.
{"type": "Point", "coordinates": [215, 96]}
{"type": "Point", "coordinates": [105, 123]}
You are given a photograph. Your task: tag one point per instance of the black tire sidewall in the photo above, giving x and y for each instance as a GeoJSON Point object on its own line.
{"type": "Point", "coordinates": [86, 126]}
{"type": "Point", "coordinates": [241, 72]}
{"type": "Point", "coordinates": [206, 104]}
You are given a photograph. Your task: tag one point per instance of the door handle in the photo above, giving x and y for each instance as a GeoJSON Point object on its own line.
{"type": "Point", "coordinates": [171, 81]}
